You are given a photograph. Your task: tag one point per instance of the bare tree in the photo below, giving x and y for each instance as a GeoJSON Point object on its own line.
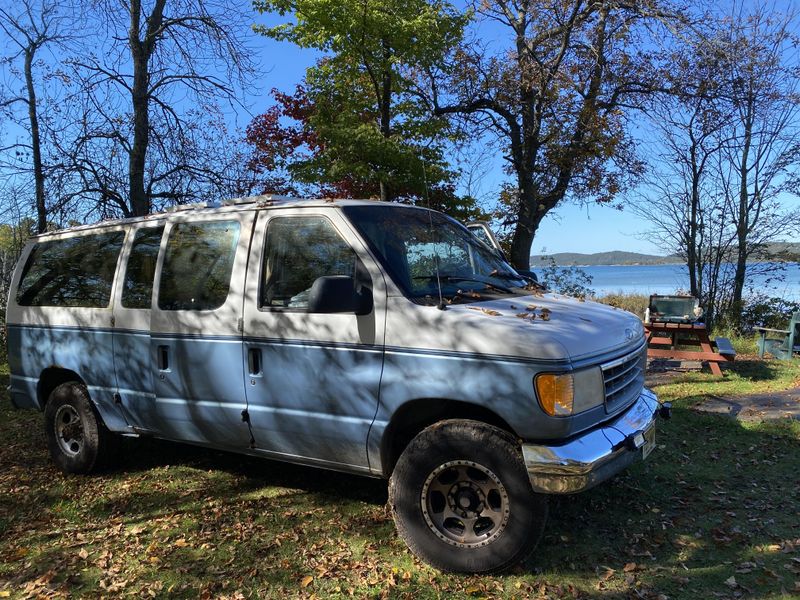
{"type": "Point", "coordinates": [167, 66]}
{"type": "Point", "coordinates": [761, 77]}
{"type": "Point", "coordinates": [726, 141]}
{"type": "Point", "coordinates": [681, 195]}
{"type": "Point", "coordinates": [29, 26]}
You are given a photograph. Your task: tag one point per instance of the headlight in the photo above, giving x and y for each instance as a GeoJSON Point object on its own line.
{"type": "Point", "coordinates": [566, 394]}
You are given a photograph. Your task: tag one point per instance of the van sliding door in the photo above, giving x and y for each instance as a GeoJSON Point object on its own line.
{"type": "Point", "coordinates": [196, 340]}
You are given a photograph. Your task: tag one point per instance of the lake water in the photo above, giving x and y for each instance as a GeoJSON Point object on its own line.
{"type": "Point", "coordinates": [667, 279]}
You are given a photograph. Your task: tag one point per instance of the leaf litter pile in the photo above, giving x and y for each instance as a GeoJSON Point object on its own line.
{"type": "Point", "coordinates": [713, 513]}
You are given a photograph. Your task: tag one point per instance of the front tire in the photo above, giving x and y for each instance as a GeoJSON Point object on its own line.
{"type": "Point", "coordinates": [77, 439]}
{"type": "Point", "coordinates": [462, 501]}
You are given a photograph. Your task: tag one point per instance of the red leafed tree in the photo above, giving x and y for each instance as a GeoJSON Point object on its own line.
{"type": "Point", "coordinates": [282, 139]}
{"type": "Point", "coordinates": [302, 148]}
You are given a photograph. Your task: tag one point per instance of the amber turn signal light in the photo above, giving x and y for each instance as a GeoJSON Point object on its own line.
{"type": "Point", "coordinates": [556, 393]}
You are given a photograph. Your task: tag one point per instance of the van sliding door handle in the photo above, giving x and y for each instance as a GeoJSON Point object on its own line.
{"type": "Point", "coordinates": [163, 358]}
{"type": "Point", "coordinates": [254, 361]}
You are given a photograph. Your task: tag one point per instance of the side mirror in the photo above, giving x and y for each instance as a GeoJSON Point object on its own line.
{"type": "Point", "coordinates": [337, 294]}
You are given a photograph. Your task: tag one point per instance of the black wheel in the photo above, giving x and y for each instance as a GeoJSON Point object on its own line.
{"type": "Point", "coordinates": [462, 501]}
{"type": "Point", "coordinates": [77, 439]}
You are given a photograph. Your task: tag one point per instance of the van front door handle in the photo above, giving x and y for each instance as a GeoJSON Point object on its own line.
{"type": "Point", "coordinates": [254, 361]}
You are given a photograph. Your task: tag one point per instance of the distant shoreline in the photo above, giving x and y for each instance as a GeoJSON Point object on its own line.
{"type": "Point", "coordinates": [666, 264]}
{"type": "Point", "coordinates": [654, 264]}
{"type": "Point", "coordinates": [788, 252]}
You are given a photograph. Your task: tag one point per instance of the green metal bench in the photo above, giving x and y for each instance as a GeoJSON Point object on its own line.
{"type": "Point", "coordinates": [781, 343]}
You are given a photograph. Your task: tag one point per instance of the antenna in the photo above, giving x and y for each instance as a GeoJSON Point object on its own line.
{"type": "Point", "coordinates": [441, 305]}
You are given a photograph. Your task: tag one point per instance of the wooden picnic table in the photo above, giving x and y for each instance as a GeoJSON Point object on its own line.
{"type": "Point", "coordinates": [687, 334]}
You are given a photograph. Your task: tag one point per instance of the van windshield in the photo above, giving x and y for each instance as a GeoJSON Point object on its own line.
{"type": "Point", "coordinates": [410, 241]}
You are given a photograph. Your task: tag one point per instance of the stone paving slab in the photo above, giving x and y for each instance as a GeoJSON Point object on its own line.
{"type": "Point", "coordinates": [755, 407]}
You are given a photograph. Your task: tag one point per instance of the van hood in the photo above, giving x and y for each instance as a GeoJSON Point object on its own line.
{"type": "Point", "coordinates": [549, 326]}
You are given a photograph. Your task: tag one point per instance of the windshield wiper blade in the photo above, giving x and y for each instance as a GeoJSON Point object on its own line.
{"type": "Point", "coordinates": [506, 275]}
{"type": "Point", "coordinates": [485, 282]}
{"type": "Point", "coordinates": [489, 284]}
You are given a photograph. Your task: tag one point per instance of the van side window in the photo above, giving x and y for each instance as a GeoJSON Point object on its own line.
{"type": "Point", "coordinates": [137, 289]}
{"type": "Point", "coordinates": [197, 266]}
{"type": "Point", "coordinates": [76, 271]}
{"type": "Point", "coordinates": [298, 250]}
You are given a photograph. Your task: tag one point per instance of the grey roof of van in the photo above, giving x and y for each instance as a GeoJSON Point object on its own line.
{"type": "Point", "coordinates": [226, 206]}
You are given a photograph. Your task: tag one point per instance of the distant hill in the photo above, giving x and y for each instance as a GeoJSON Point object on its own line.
{"type": "Point", "coordinates": [788, 251]}
{"type": "Point", "coordinates": [615, 257]}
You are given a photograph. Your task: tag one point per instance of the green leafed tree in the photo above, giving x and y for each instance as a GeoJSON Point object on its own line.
{"type": "Point", "coordinates": [364, 124]}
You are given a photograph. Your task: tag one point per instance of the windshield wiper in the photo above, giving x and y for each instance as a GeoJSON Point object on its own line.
{"type": "Point", "coordinates": [489, 284]}
{"type": "Point", "coordinates": [506, 275]}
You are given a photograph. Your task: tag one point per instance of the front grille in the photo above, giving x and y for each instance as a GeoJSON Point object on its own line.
{"type": "Point", "coordinates": [623, 378]}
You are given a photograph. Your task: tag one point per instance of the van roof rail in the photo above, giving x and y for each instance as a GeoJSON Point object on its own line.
{"type": "Point", "coordinates": [262, 198]}
{"type": "Point", "coordinates": [192, 206]}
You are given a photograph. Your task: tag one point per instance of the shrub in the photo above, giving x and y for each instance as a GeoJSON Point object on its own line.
{"type": "Point", "coordinates": [570, 281]}
{"type": "Point", "coordinates": [635, 303]}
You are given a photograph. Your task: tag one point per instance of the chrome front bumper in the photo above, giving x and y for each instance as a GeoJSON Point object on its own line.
{"type": "Point", "coordinates": [594, 456]}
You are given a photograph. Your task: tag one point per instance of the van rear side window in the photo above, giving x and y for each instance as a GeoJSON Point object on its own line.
{"type": "Point", "coordinates": [75, 272]}
{"type": "Point", "coordinates": [137, 289]}
{"type": "Point", "coordinates": [197, 266]}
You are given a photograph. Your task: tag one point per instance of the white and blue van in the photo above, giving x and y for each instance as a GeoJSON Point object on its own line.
{"type": "Point", "coordinates": [366, 337]}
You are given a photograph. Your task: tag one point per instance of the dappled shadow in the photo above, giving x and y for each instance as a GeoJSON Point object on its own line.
{"type": "Point", "coordinates": [140, 455]}
{"type": "Point", "coordinates": [715, 500]}
{"type": "Point", "coordinates": [713, 497]}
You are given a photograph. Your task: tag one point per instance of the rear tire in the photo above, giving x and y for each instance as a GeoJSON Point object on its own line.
{"type": "Point", "coordinates": [77, 439]}
{"type": "Point", "coordinates": [462, 501]}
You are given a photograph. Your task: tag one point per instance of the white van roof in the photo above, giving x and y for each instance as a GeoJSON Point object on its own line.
{"type": "Point", "coordinates": [226, 206]}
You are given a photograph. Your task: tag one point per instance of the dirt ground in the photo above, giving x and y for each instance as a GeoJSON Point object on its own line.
{"type": "Point", "coordinates": [745, 407]}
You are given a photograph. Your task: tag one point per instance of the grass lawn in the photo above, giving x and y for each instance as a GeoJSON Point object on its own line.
{"type": "Point", "coordinates": [713, 513]}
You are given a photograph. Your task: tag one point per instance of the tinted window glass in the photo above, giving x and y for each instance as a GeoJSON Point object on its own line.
{"type": "Point", "coordinates": [425, 251]}
{"type": "Point", "coordinates": [138, 285]}
{"type": "Point", "coordinates": [480, 233]}
{"type": "Point", "coordinates": [298, 251]}
{"type": "Point", "coordinates": [197, 267]}
{"type": "Point", "coordinates": [76, 271]}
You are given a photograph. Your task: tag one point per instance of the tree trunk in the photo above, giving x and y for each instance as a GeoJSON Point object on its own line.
{"type": "Point", "coordinates": [691, 246]}
{"type": "Point", "coordinates": [386, 107]}
{"type": "Point", "coordinates": [535, 203]}
{"type": "Point", "coordinates": [38, 170]}
{"type": "Point", "coordinates": [743, 222]}
{"type": "Point", "coordinates": [522, 239]}
{"type": "Point", "coordinates": [532, 210]}
{"type": "Point", "coordinates": [142, 48]}
{"type": "Point", "coordinates": [139, 202]}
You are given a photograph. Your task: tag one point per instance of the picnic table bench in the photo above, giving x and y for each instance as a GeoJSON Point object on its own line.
{"type": "Point", "coordinates": [688, 334]}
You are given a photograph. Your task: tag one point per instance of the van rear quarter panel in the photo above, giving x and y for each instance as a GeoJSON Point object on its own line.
{"type": "Point", "coordinates": [76, 339]}
{"type": "Point", "coordinates": [84, 349]}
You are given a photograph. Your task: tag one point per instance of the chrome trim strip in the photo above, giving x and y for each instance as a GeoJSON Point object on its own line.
{"type": "Point", "coordinates": [592, 457]}
{"type": "Point", "coordinates": [622, 359]}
